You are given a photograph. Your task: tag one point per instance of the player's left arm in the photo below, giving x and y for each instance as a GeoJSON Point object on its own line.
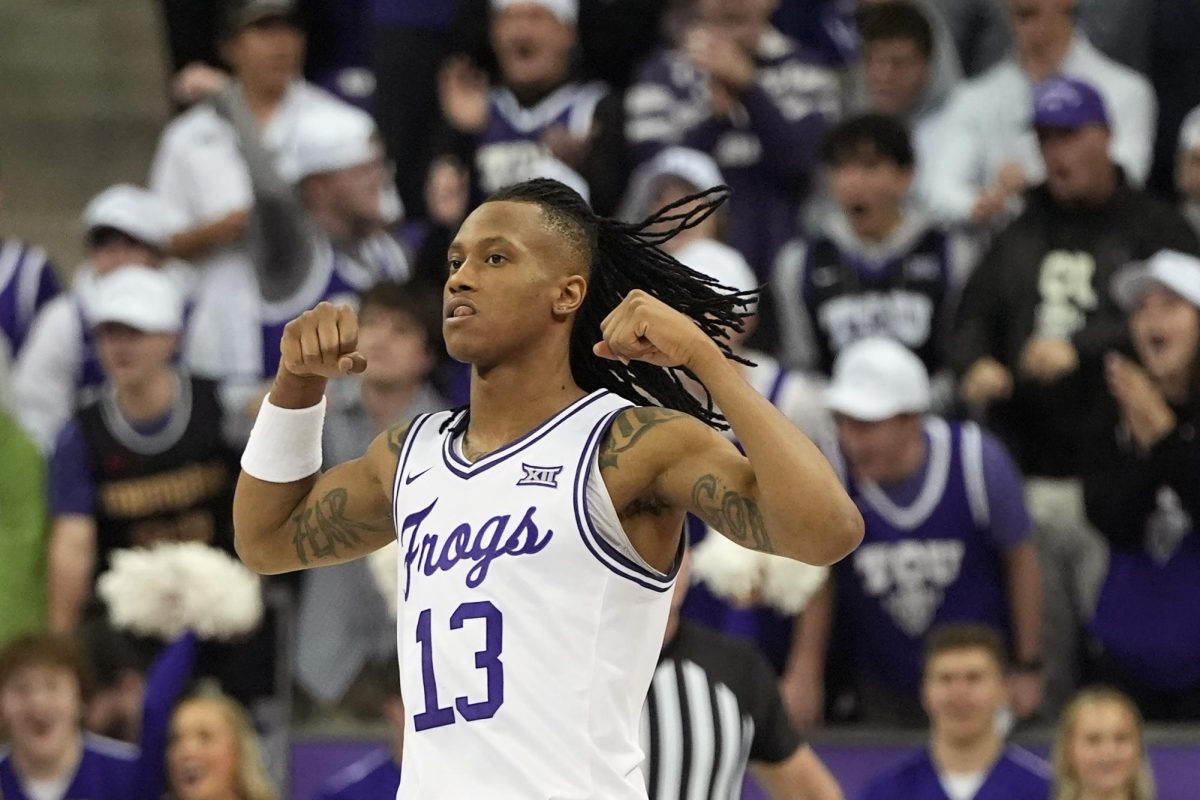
{"type": "Point", "coordinates": [782, 497]}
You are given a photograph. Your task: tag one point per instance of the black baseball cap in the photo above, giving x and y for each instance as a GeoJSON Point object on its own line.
{"type": "Point", "coordinates": [241, 14]}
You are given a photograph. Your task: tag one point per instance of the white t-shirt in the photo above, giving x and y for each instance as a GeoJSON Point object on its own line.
{"type": "Point", "coordinates": [962, 787]}
{"type": "Point", "coordinates": [53, 789]}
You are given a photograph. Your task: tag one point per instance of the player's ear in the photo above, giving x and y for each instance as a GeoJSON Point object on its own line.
{"type": "Point", "coordinates": [571, 291]}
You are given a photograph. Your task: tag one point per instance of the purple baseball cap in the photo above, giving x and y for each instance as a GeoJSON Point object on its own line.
{"type": "Point", "coordinates": [1067, 103]}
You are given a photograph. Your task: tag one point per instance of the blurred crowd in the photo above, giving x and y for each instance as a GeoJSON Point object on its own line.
{"type": "Point", "coordinates": [975, 225]}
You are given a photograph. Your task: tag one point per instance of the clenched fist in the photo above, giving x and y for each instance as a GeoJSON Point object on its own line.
{"type": "Point", "coordinates": [322, 343]}
{"type": "Point", "coordinates": [644, 328]}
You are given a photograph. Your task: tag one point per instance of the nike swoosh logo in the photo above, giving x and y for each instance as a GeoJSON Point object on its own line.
{"type": "Point", "coordinates": [412, 477]}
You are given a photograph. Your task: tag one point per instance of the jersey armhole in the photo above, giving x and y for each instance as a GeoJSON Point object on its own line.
{"type": "Point", "coordinates": [600, 526]}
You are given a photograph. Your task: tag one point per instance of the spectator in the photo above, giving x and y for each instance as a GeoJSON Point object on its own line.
{"type": "Point", "coordinates": [979, 29]}
{"type": "Point", "coordinates": [990, 153]}
{"type": "Point", "coordinates": [1036, 316]}
{"type": "Point", "coordinates": [22, 530]}
{"type": "Point", "coordinates": [540, 121]}
{"type": "Point", "coordinates": [1187, 168]}
{"type": "Point", "coordinates": [713, 710]}
{"type": "Point", "coordinates": [27, 284]}
{"type": "Point", "coordinates": [198, 170]}
{"type": "Point", "coordinates": [143, 463]}
{"type": "Point", "coordinates": [1142, 492]}
{"type": "Point", "coordinates": [947, 540]}
{"type": "Point", "coordinates": [324, 240]}
{"type": "Point", "coordinates": [1100, 749]}
{"type": "Point", "coordinates": [117, 671]}
{"type": "Point", "coordinates": [876, 266]}
{"type": "Point", "coordinates": [409, 40]}
{"type": "Point", "coordinates": [43, 685]}
{"type": "Point", "coordinates": [377, 774]}
{"type": "Point", "coordinates": [214, 752]}
{"type": "Point", "coordinates": [58, 368]}
{"type": "Point", "coordinates": [963, 690]}
{"type": "Point", "coordinates": [741, 91]}
{"type": "Point", "coordinates": [344, 631]}
{"type": "Point", "coordinates": [900, 78]}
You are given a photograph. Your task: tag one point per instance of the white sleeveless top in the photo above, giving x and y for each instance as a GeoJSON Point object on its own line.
{"type": "Point", "coordinates": [528, 628]}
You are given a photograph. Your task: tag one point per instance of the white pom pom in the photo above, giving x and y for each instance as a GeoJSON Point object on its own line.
{"type": "Point", "coordinates": [385, 564]}
{"type": "Point", "coordinates": [788, 585]}
{"type": "Point", "coordinates": [730, 570]}
{"type": "Point", "coordinates": [172, 587]}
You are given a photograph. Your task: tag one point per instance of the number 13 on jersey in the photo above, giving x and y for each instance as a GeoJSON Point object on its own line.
{"type": "Point", "coordinates": [488, 659]}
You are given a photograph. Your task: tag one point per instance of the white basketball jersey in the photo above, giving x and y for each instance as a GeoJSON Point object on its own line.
{"type": "Point", "coordinates": [528, 627]}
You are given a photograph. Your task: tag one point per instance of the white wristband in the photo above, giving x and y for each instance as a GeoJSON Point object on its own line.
{"type": "Point", "coordinates": [285, 444]}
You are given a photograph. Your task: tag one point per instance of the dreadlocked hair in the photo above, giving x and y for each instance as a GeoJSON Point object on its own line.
{"type": "Point", "coordinates": [623, 257]}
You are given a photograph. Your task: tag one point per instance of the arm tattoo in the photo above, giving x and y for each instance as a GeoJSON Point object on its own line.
{"type": "Point", "coordinates": [732, 513]}
{"type": "Point", "coordinates": [395, 437]}
{"type": "Point", "coordinates": [630, 426]}
{"type": "Point", "coordinates": [322, 530]}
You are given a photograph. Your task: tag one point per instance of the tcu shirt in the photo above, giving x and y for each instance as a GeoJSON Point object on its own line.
{"type": "Point", "coordinates": [529, 627]}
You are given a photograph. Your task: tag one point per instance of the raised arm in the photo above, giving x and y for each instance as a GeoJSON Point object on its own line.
{"type": "Point", "coordinates": [321, 518]}
{"type": "Point", "coordinates": [782, 497]}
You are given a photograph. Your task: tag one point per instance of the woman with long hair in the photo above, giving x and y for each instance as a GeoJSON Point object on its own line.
{"type": "Point", "coordinates": [1100, 750]}
{"type": "Point", "coordinates": [214, 753]}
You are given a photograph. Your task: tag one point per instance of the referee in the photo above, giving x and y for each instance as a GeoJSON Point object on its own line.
{"type": "Point", "coordinates": [713, 710]}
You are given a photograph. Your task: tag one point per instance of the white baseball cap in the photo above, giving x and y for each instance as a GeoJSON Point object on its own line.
{"type": "Point", "coordinates": [332, 137]}
{"type": "Point", "coordinates": [720, 262]}
{"type": "Point", "coordinates": [695, 167]}
{"type": "Point", "coordinates": [133, 211]}
{"type": "Point", "coordinates": [1189, 131]}
{"type": "Point", "coordinates": [878, 378]}
{"type": "Point", "coordinates": [140, 297]}
{"type": "Point", "coordinates": [1176, 271]}
{"type": "Point", "coordinates": [567, 11]}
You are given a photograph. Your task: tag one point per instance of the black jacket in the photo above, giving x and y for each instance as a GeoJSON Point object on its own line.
{"type": "Point", "coordinates": [1050, 271]}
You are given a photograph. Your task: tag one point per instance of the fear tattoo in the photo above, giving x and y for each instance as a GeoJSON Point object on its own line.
{"type": "Point", "coordinates": [732, 513]}
{"type": "Point", "coordinates": [628, 428]}
{"type": "Point", "coordinates": [322, 531]}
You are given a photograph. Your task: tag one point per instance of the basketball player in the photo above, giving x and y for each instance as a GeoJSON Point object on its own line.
{"type": "Point", "coordinates": [540, 527]}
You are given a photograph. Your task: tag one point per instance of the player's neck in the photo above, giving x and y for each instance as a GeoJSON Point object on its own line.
{"type": "Point", "coordinates": [57, 766]}
{"type": "Point", "coordinates": [509, 400]}
{"type": "Point", "coordinates": [966, 757]}
{"type": "Point", "coordinates": [263, 100]}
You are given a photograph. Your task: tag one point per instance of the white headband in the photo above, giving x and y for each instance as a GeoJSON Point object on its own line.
{"type": "Point", "coordinates": [567, 11]}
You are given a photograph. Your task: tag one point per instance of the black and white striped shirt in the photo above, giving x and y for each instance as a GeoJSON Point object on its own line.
{"type": "Point", "coordinates": [713, 707]}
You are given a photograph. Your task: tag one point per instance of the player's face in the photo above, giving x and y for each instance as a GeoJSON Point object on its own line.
{"type": "Point", "coordinates": [1166, 333]}
{"type": "Point", "coordinates": [896, 71]}
{"type": "Point", "coordinates": [202, 753]}
{"type": "Point", "coordinates": [1105, 749]}
{"type": "Point", "coordinates": [131, 357]}
{"type": "Point", "coordinates": [874, 450]}
{"type": "Point", "coordinates": [510, 284]}
{"type": "Point", "coordinates": [40, 707]}
{"type": "Point", "coordinates": [395, 347]}
{"type": "Point", "coordinates": [1077, 162]}
{"type": "Point", "coordinates": [532, 46]}
{"type": "Point", "coordinates": [267, 56]}
{"type": "Point", "coordinates": [963, 691]}
{"type": "Point", "coordinates": [869, 190]}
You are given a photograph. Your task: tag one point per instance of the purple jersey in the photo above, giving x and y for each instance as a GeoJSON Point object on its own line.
{"type": "Point", "coordinates": [931, 560]}
{"type": "Point", "coordinates": [510, 147]}
{"type": "Point", "coordinates": [27, 282]}
{"type": "Point", "coordinates": [373, 777]}
{"type": "Point", "coordinates": [766, 147]}
{"type": "Point", "coordinates": [1016, 775]}
{"type": "Point", "coordinates": [1147, 618]}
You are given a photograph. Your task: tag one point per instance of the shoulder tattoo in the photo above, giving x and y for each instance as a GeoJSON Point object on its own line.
{"type": "Point", "coordinates": [628, 427]}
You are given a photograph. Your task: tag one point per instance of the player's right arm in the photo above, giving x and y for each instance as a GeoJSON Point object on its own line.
{"type": "Point", "coordinates": [330, 517]}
